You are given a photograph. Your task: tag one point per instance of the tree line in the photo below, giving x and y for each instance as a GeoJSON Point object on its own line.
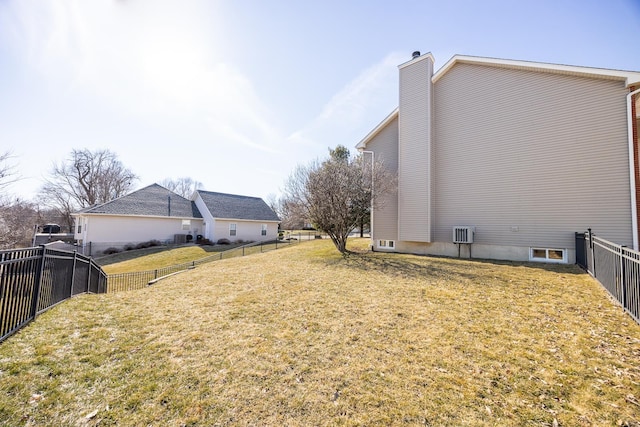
{"type": "Point", "coordinates": [84, 179]}
{"type": "Point", "coordinates": [335, 195]}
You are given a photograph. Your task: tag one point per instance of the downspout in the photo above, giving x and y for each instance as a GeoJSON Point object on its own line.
{"type": "Point", "coordinates": [372, 195]}
{"type": "Point", "coordinates": [633, 164]}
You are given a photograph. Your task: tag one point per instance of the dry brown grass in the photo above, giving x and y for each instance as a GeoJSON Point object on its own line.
{"type": "Point", "coordinates": [302, 336]}
{"type": "Point", "coordinates": [157, 257]}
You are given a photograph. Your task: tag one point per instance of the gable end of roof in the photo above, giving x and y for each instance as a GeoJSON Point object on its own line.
{"type": "Point", "coordinates": [629, 77]}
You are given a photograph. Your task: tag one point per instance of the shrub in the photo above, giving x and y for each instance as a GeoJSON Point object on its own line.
{"type": "Point", "coordinates": [111, 251]}
{"type": "Point", "coordinates": [223, 242]}
{"type": "Point", "coordinates": [239, 241]}
{"type": "Point", "coordinates": [148, 244]}
{"type": "Point", "coordinates": [129, 247]}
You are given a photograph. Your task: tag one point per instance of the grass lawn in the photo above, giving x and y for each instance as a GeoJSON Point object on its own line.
{"type": "Point", "coordinates": [302, 336]}
{"type": "Point", "coordinates": [156, 257]}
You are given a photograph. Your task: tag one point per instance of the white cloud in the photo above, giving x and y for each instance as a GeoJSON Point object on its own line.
{"type": "Point", "coordinates": [343, 120]}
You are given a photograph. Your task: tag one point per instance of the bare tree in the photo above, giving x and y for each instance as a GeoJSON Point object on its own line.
{"type": "Point", "coordinates": [337, 193]}
{"type": "Point", "coordinates": [84, 179]}
{"type": "Point", "coordinates": [17, 223]}
{"type": "Point", "coordinates": [184, 186]}
{"type": "Point", "coordinates": [8, 173]}
{"type": "Point", "coordinates": [289, 216]}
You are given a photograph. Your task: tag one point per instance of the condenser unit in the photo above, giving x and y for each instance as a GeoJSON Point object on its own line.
{"type": "Point", "coordinates": [463, 234]}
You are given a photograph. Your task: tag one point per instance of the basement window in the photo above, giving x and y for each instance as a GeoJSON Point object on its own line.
{"type": "Point", "coordinates": [389, 244]}
{"type": "Point", "coordinates": [548, 255]}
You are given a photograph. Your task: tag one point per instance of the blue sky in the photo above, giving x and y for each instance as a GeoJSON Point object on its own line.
{"type": "Point", "coordinates": [236, 93]}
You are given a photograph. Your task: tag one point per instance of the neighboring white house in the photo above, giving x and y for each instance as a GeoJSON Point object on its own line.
{"type": "Point", "coordinates": [156, 213]}
{"type": "Point", "coordinates": [233, 217]}
{"type": "Point", "coordinates": [511, 157]}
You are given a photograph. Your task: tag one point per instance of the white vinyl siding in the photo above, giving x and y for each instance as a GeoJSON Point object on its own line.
{"type": "Point", "coordinates": [414, 151]}
{"type": "Point", "coordinates": [125, 229]}
{"type": "Point", "coordinates": [385, 147]}
{"type": "Point", "coordinates": [529, 158]}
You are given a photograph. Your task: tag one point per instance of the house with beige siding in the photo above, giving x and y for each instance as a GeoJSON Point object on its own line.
{"type": "Point", "coordinates": [507, 159]}
{"type": "Point", "coordinates": [156, 213]}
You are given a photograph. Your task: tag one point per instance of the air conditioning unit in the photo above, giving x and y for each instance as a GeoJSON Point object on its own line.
{"type": "Point", "coordinates": [463, 234]}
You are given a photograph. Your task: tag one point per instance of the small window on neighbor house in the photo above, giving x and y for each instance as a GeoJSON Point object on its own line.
{"type": "Point", "coordinates": [79, 228]}
{"type": "Point", "coordinates": [264, 229]}
{"type": "Point", "coordinates": [232, 229]}
{"type": "Point", "coordinates": [186, 224]}
{"type": "Point", "coordinates": [386, 243]}
{"type": "Point", "coordinates": [548, 255]}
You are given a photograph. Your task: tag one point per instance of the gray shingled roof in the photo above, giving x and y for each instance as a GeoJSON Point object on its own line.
{"type": "Point", "coordinates": [237, 207]}
{"type": "Point", "coordinates": [153, 200]}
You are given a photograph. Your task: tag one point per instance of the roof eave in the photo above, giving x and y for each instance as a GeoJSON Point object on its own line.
{"type": "Point", "coordinates": [384, 123]}
{"type": "Point", "coordinates": [629, 77]}
{"type": "Point", "coordinates": [246, 219]}
{"type": "Point", "coordinates": [74, 214]}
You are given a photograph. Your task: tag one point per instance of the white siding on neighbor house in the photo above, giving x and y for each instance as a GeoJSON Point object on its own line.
{"type": "Point", "coordinates": [529, 158]}
{"type": "Point", "coordinates": [414, 150]}
{"type": "Point", "coordinates": [245, 230]}
{"type": "Point", "coordinates": [131, 229]}
{"type": "Point", "coordinates": [385, 147]}
{"type": "Point", "coordinates": [208, 221]}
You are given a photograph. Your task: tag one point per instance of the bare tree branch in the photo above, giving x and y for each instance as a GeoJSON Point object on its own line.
{"type": "Point", "coordinates": [337, 194]}
{"type": "Point", "coordinates": [184, 186]}
{"type": "Point", "coordinates": [8, 172]}
{"type": "Point", "coordinates": [85, 179]}
{"type": "Point", "coordinates": [18, 219]}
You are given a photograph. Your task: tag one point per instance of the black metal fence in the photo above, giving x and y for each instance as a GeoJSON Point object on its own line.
{"type": "Point", "coordinates": [141, 279]}
{"type": "Point", "coordinates": [33, 280]}
{"type": "Point", "coordinates": [616, 267]}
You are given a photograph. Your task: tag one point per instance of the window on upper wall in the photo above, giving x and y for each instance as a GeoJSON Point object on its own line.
{"type": "Point", "coordinates": [186, 224]}
{"type": "Point", "coordinates": [548, 255]}
{"type": "Point", "coordinates": [232, 229]}
{"type": "Point", "coordinates": [264, 229]}
{"type": "Point", "coordinates": [79, 228]}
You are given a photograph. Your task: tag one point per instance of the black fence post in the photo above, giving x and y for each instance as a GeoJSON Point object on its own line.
{"type": "Point", "coordinates": [36, 295]}
{"type": "Point", "coordinates": [622, 274]}
{"type": "Point", "coordinates": [593, 253]}
{"type": "Point", "coordinates": [73, 272]}
{"type": "Point", "coordinates": [88, 285]}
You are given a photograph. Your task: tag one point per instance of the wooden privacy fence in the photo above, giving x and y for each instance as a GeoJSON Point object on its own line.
{"type": "Point", "coordinates": [616, 267]}
{"type": "Point", "coordinates": [33, 280]}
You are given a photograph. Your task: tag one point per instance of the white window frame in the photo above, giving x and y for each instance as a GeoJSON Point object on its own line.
{"type": "Point", "coordinates": [386, 244]}
{"type": "Point", "coordinates": [546, 257]}
{"type": "Point", "coordinates": [233, 229]}
{"type": "Point", "coordinates": [263, 231]}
